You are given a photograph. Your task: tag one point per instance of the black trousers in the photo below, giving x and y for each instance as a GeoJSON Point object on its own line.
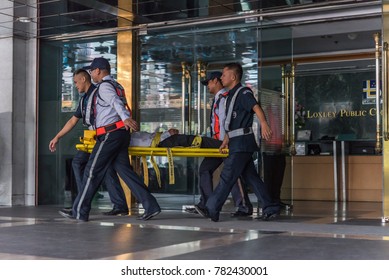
{"type": "Point", "coordinates": [182, 140]}
{"type": "Point", "coordinates": [111, 149]}
{"type": "Point", "coordinates": [207, 167]}
{"type": "Point", "coordinates": [111, 180]}
{"type": "Point", "coordinates": [235, 166]}
{"type": "Point", "coordinates": [274, 168]}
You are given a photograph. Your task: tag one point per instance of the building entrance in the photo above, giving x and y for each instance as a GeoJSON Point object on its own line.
{"type": "Point", "coordinates": [173, 63]}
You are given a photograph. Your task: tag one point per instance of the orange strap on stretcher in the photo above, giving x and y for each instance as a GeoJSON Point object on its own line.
{"type": "Point", "coordinates": [109, 128]}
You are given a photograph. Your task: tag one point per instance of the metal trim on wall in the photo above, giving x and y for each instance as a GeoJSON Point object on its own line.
{"type": "Point", "coordinates": [126, 56]}
{"type": "Point", "coordinates": [385, 111]}
{"type": "Point", "coordinates": [302, 14]}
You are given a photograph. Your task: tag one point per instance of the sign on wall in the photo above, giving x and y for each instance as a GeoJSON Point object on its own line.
{"type": "Point", "coordinates": [338, 105]}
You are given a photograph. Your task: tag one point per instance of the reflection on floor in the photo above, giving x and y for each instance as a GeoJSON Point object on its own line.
{"type": "Point", "coordinates": [313, 230]}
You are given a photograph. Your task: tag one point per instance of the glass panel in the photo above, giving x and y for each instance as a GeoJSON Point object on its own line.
{"type": "Point", "coordinates": [58, 101]}
{"type": "Point", "coordinates": [276, 162]}
{"type": "Point", "coordinates": [77, 55]}
{"type": "Point", "coordinates": [172, 64]}
{"type": "Point", "coordinates": [385, 189]}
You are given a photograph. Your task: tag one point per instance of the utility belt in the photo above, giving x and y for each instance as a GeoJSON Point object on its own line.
{"type": "Point", "coordinates": [240, 132]}
{"type": "Point", "coordinates": [109, 128]}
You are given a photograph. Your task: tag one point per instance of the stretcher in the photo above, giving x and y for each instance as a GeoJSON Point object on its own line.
{"type": "Point", "coordinates": [88, 142]}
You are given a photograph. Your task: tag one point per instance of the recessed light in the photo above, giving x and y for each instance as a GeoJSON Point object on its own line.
{"type": "Point", "coordinates": [24, 19]}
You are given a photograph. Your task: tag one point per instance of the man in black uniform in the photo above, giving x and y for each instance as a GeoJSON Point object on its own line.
{"type": "Point", "coordinates": [112, 122]}
{"type": "Point", "coordinates": [209, 165]}
{"type": "Point", "coordinates": [82, 82]}
{"type": "Point", "coordinates": [241, 106]}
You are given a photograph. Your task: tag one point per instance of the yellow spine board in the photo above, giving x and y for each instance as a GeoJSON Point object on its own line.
{"type": "Point", "coordinates": [89, 140]}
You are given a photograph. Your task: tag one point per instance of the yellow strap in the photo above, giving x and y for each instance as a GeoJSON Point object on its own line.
{"type": "Point", "coordinates": [156, 140]}
{"type": "Point", "coordinates": [196, 143]}
{"type": "Point", "coordinates": [156, 169]}
{"type": "Point", "coordinates": [171, 166]}
{"type": "Point", "coordinates": [145, 171]}
{"type": "Point", "coordinates": [154, 143]}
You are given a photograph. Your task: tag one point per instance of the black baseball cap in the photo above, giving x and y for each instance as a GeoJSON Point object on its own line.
{"type": "Point", "coordinates": [211, 76]}
{"type": "Point", "coordinates": [99, 62]}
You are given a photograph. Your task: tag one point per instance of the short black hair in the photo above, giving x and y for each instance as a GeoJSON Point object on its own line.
{"type": "Point", "coordinates": [84, 73]}
{"type": "Point", "coordinates": [237, 68]}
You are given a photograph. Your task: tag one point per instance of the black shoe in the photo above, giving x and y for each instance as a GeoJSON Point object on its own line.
{"type": "Point", "coordinates": [191, 210]}
{"type": "Point", "coordinates": [116, 212]}
{"type": "Point", "coordinates": [286, 206]}
{"type": "Point", "coordinates": [148, 216]}
{"type": "Point", "coordinates": [202, 211]}
{"type": "Point", "coordinates": [99, 196]}
{"type": "Point", "coordinates": [269, 216]}
{"type": "Point", "coordinates": [69, 215]}
{"type": "Point", "coordinates": [214, 219]}
{"type": "Point", "coordinates": [241, 214]}
{"type": "Point", "coordinates": [66, 213]}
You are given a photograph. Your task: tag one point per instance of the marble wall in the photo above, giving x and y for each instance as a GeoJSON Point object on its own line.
{"type": "Point", "coordinates": [6, 114]}
{"type": "Point", "coordinates": [17, 113]}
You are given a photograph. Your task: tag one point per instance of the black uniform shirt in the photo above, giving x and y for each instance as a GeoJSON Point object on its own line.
{"type": "Point", "coordinates": [242, 117]}
{"type": "Point", "coordinates": [80, 112]}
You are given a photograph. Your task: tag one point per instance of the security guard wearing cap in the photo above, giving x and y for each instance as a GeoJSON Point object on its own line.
{"type": "Point", "coordinates": [82, 82]}
{"type": "Point", "coordinates": [209, 165]}
{"type": "Point", "coordinates": [112, 122]}
{"type": "Point", "coordinates": [241, 106]}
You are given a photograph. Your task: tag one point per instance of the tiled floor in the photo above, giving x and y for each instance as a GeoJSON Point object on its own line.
{"type": "Point", "coordinates": [313, 230]}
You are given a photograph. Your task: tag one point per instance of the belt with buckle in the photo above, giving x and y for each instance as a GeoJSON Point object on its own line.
{"type": "Point", "coordinates": [109, 128]}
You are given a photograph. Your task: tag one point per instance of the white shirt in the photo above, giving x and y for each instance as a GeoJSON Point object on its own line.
{"type": "Point", "coordinates": [109, 107]}
{"type": "Point", "coordinates": [144, 139]}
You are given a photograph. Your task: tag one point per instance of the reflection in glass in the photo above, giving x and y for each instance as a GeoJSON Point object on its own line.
{"type": "Point", "coordinates": [76, 55]}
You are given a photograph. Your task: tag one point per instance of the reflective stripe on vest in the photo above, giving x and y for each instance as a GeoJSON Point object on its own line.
{"type": "Point", "coordinates": [239, 132]}
{"type": "Point", "coordinates": [230, 109]}
{"type": "Point", "coordinates": [89, 115]}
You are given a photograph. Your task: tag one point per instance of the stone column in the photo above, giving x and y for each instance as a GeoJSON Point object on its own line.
{"type": "Point", "coordinates": [18, 73]}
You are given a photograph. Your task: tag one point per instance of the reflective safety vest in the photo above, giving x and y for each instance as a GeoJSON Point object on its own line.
{"type": "Point", "coordinates": [255, 129]}
{"type": "Point", "coordinates": [230, 109]}
{"type": "Point", "coordinates": [90, 112]}
{"type": "Point", "coordinates": [215, 130]}
{"type": "Point", "coordinates": [87, 118]}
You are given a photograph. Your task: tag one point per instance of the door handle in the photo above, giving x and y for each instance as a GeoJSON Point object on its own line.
{"type": "Point", "coordinates": [385, 105]}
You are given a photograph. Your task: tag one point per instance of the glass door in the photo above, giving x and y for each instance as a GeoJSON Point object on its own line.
{"type": "Point", "coordinates": [276, 77]}
{"type": "Point", "coordinates": [166, 100]}
{"type": "Point", "coordinates": [173, 63]}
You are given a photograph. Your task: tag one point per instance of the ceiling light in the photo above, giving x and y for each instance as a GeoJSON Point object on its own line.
{"type": "Point", "coordinates": [24, 19]}
{"type": "Point", "coordinates": [352, 36]}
